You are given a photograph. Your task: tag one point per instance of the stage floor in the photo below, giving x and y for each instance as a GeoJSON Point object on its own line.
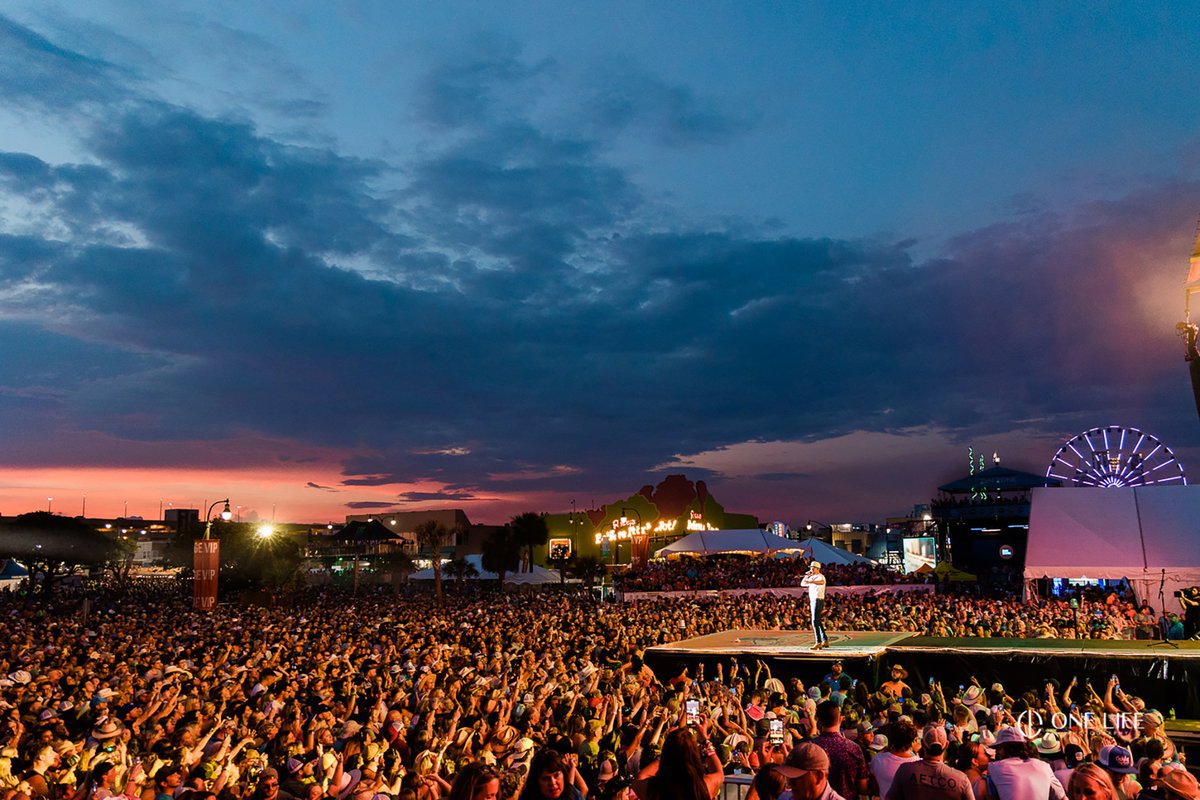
{"type": "Point", "coordinates": [867, 644]}
{"type": "Point", "coordinates": [787, 644]}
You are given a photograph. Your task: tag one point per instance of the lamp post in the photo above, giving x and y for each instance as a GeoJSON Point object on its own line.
{"type": "Point", "coordinates": [206, 555]}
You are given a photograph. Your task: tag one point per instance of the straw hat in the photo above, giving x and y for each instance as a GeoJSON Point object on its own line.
{"type": "Point", "coordinates": [106, 729]}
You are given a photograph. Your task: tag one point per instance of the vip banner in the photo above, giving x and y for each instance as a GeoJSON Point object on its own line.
{"type": "Point", "coordinates": [206, 561]}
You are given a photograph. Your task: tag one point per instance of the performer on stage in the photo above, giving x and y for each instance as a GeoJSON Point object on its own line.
{"type": "Point", "coordinates": [815, 582]}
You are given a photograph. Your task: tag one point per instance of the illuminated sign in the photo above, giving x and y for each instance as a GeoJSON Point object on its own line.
{"type": "Point", "coordinates": [624, 528]}
{"type": "Point", "coordinates": [559, 549]}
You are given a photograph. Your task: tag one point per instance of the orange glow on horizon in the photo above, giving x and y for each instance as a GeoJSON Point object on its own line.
{"type": "Point", "coordinates": [253, 492]}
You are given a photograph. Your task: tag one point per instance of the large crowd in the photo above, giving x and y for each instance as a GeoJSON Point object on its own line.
{"type": "Point", "coordinates": [335, 696]}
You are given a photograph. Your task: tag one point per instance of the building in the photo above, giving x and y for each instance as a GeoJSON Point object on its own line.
{"type": "Point", "coordinates": [983, 518]}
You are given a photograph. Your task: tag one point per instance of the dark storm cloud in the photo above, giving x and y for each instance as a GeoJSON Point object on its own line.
{"type": "Point", "coordinates": [486, 320]}
{"type": "Point", "coordinates": [455, 497]}
{"type": "Point", "coordinates": [365, 505]}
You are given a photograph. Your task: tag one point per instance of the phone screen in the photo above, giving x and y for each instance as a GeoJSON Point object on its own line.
{"type": "Point", "coordinates": [775, 735]}
{"type": "Point", "coordinates": [692, 711]}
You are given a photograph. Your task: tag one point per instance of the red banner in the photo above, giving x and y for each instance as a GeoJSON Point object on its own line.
{"type": "Point", "coordinates": [639, 551]}
{"type": "Point", "coordinates": [207, 561]}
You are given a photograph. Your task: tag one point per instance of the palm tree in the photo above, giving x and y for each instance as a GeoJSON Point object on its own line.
{"type": "Point", "coordinates": [432, 535]}
{"type": "Point", "coordinates": [501, 553]}
{"type": "Point", "coordinates": [587, 569]}
{"type": "Point", "coordinates": [460, 569]}
{"type": "Point", "coordinates": [530, 531]}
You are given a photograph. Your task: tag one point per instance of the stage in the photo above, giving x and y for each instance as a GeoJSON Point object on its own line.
{"type": "Point", "coordinates": [1166, 676]}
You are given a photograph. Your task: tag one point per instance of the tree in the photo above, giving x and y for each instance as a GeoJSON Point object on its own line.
{"type": "Point", "coordinates": [120, 562]}
{"type": "Point", "coordinates": [432, 536]}
{"type": "Point", "coordinates": [460, 569]}
{"type": "Point", "coordinates": [53, 546]}
{"type": "Point", "coordinates": [250, 560]}
{"type": "Point", "coordinates": [587, 569]}
{"type": "Point", "coordinates": [501, 553]}
{"type": "Point", "coordinates": [529, 531]}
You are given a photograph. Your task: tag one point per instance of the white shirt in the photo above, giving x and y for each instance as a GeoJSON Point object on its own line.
{"type": "Point", "coordinates": [815, 582]}
{"type": "Point", "coordinates": [883, 766]}
{"type": "Point", "coordinates": [1020, 779]}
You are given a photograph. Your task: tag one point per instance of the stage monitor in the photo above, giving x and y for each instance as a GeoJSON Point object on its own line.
{"type": "Point", "coordinates": [920, 551]}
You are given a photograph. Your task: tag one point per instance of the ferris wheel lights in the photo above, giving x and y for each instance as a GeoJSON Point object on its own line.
{"type": "Point", "coordinates": [1111, 463]}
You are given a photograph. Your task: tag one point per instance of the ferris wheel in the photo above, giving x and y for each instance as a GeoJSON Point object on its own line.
{"type": "Point", "coordinates": [1115, 457]}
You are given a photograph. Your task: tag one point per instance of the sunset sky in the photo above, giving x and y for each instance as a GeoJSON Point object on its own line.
{"type": "Point", "coordinates": [326, 258]}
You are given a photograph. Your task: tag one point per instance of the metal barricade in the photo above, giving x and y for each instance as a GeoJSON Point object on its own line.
{"type": "Point", "coordinates": [735, 787]}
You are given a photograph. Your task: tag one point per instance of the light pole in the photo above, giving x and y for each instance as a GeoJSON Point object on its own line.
{"type": "Point", "coordinates": [226, 515]}
{"type": "Point", "coordinates": [49, 505]}
{"type": "Point", "coordinates": [206, 555]}
{"type": "Point", "coordinates": [574, 533]}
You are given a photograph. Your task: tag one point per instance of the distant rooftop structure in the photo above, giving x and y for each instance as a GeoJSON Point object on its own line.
{"type": "Point", "coordinates": [998, 479]}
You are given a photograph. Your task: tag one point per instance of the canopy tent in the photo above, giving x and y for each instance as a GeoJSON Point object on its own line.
{"type": "Point", "coordinates": [707, 543]}
{"type": "Point", "coordinates": [946, 571]}
{"type": "Point", "coordinates": [12, 574]}
{"type": "Point", "coordinates": [536, 577]}
{"type": "Point", "coordinates": [1144, 534]}
{"type": "Point", "coordinates": [817, 550]}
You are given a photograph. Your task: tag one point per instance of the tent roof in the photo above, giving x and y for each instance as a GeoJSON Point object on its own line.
{"type": "Point", "coordinates": [1113, 533]}
{"type": "Point", "coordinates": [359, 531]}
{"type": "Point", "coordinates": [947, 571]}
{"type": "Point", "coordinates": [826, 553]}
{"type": "Point", "coordinates": [706, 543]}
{"type": "Point", "coordinates": [12, 569]}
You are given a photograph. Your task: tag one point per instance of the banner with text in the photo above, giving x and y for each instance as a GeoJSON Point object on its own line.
{"type": "Point", "coordinates": [207, 562]}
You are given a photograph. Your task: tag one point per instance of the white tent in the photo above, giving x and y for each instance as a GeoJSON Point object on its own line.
{"type": "Point", "coordinates": [707, 543]}
{"type": "Point", "coordinates": [536, 577]}
{"type": "Point", "coordinates": [817, 550]}
{"type": "Point", "coordinates": [1145, 534]}
{"type": "Point", "coordinates": [11, 575]}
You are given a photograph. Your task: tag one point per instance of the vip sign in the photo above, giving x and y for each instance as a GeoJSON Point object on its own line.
{"type": "Point", "coordinates": [206, 562]}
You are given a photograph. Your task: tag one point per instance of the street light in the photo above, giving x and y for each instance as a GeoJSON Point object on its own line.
{"type": "Point", "coordinates": [265, 531]}
{"type": "Point", "coordinates": [226, 515]}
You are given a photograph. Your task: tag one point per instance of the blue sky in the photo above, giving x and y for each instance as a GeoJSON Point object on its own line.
{"type": "Point", "coordinates": [330, 257]}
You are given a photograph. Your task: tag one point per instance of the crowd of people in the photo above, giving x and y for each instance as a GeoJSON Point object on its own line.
{"type": "Point", "coordinates": [687, 573]}
{"type": "Point", "coordinates": [496, 696]}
